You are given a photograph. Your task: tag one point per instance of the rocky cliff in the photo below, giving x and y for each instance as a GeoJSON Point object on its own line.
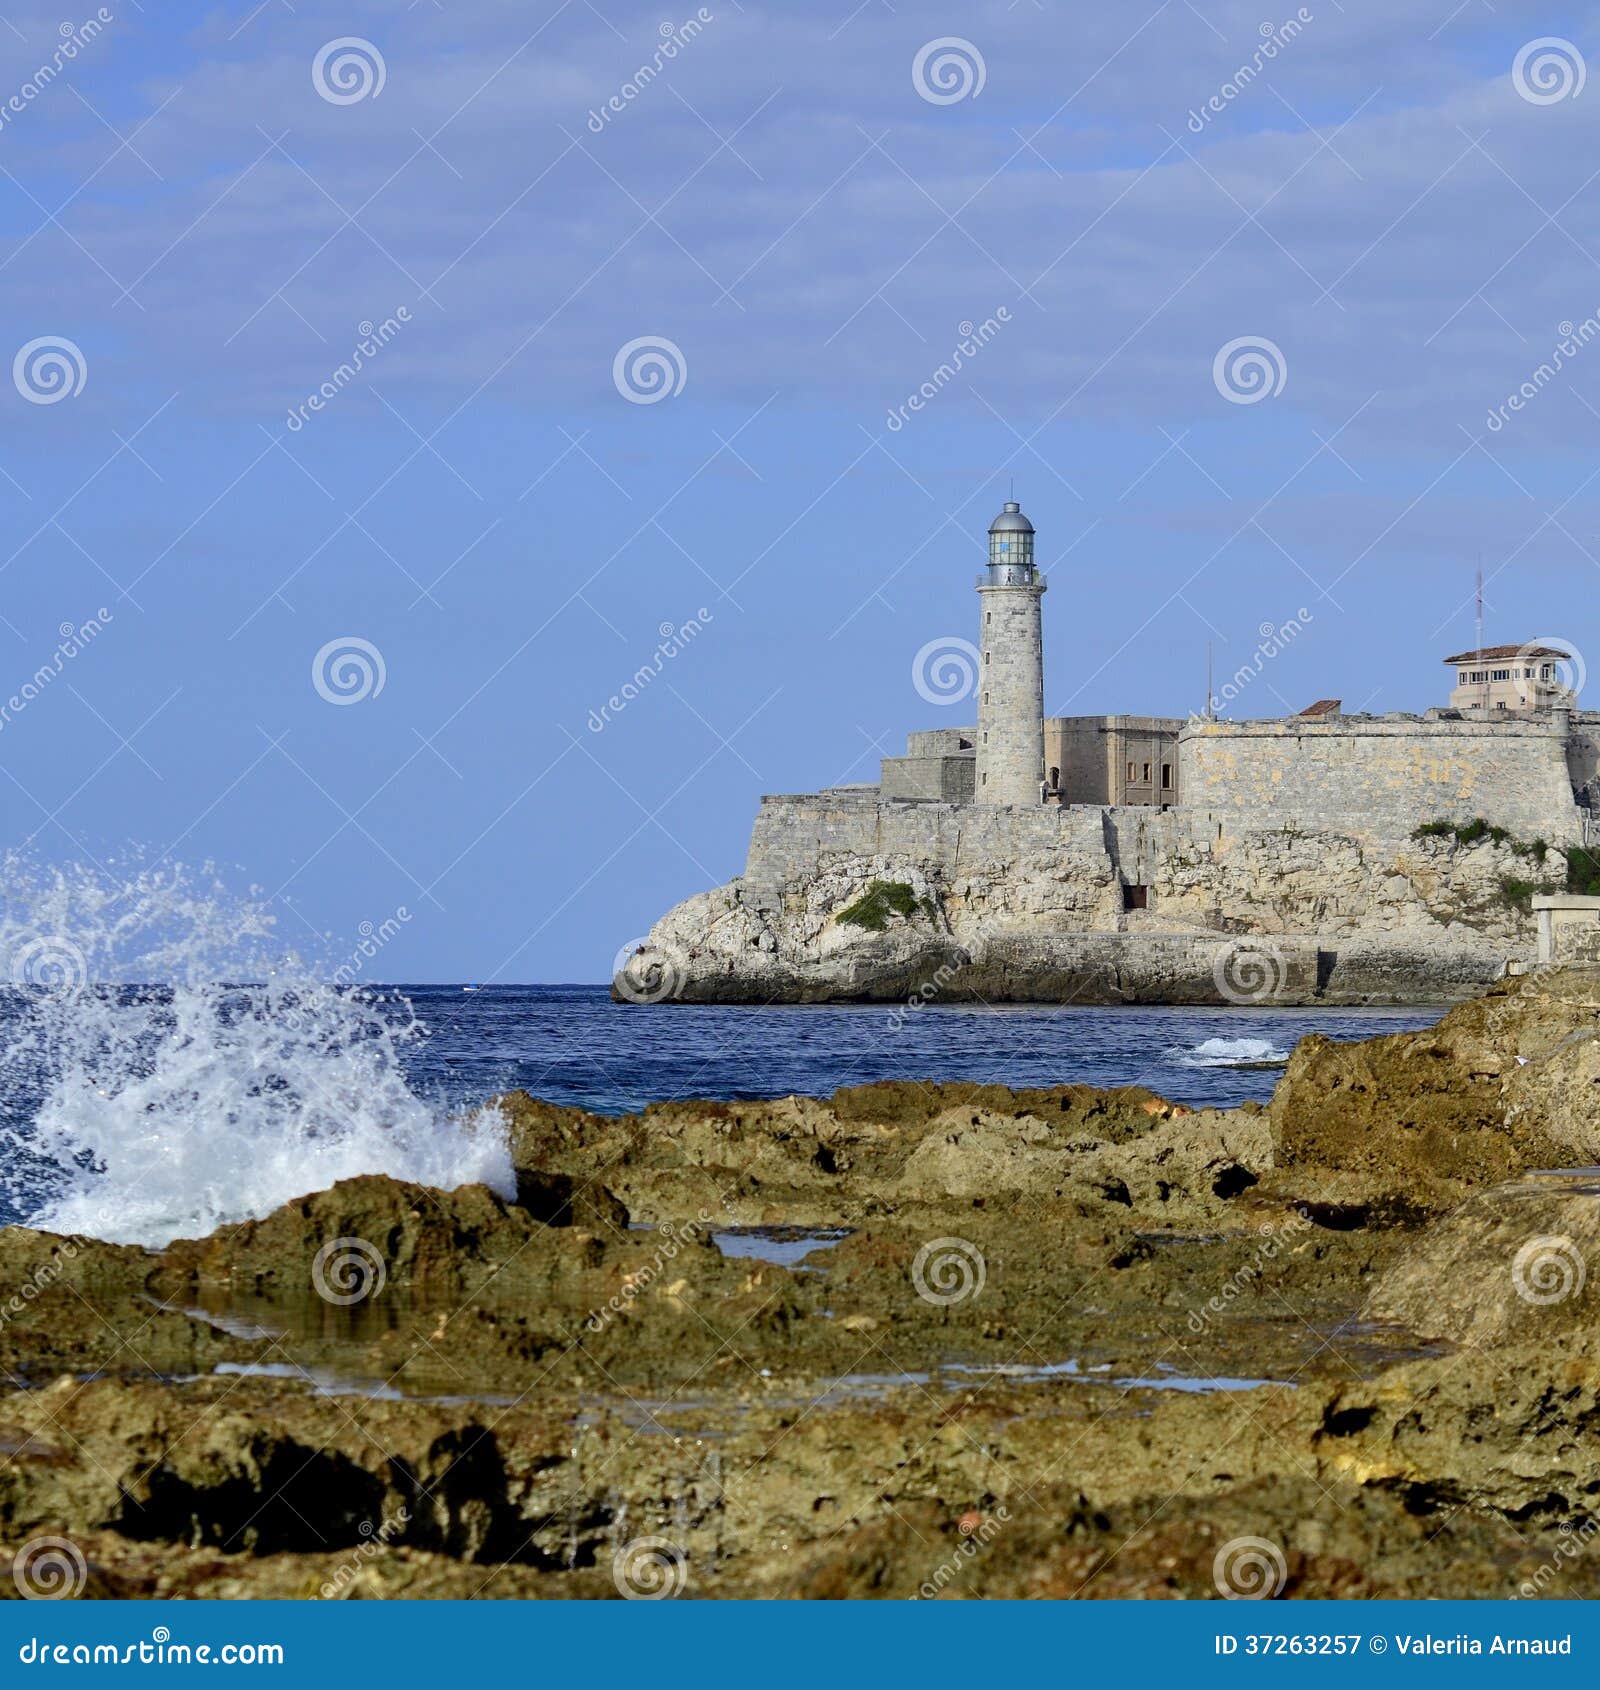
{"type": "Point", "coordinates": [847, 897]}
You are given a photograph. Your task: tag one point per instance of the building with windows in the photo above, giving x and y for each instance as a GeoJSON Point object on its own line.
{"type": "Point", "coordinates": [1509, 678]}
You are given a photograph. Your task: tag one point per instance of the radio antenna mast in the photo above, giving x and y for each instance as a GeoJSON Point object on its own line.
{"type": "Point", "coordinates": [1479, 620]}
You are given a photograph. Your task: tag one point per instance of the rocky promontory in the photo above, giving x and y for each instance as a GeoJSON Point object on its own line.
{"type": "Point", "coordinates": [905, 1341]}
{"type": "Point", "coordinates": [848, 898]}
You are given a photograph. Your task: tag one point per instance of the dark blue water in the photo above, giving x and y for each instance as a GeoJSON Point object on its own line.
{"type": "Point", "coordinates": [571, 1044]}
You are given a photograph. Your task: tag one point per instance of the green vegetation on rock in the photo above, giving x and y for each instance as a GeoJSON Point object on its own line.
{"type": "Point", "coordinates": [1583, 871]}
{"type": "Point", "coordinates": [882, 899]}
{"type": "Point", "coordinates": [1470, 833]}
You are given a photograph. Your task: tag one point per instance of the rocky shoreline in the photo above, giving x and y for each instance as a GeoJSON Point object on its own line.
{"type": "Point", "coordinates": [910, 1340]}
{"type": "Point", "coordinates": [846, 898]}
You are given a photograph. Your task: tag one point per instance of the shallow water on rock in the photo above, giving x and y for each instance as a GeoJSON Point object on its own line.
{"type": "Point", "coordinates": [783, 1246]}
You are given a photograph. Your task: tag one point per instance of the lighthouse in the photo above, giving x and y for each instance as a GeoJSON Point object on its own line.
{"type": "Point", "coordinates": [1010, 749]}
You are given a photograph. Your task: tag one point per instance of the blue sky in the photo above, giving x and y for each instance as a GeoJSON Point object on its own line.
{"type": "Point", "coordinates": [508, 532]}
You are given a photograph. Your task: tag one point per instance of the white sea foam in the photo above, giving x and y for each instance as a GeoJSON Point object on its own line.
{"type": "Point", "coordinates": [146, 1112]}
{"type": "Point", "coordinates": [1234, 1053]}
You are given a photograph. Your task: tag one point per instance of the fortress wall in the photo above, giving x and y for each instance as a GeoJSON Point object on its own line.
{"type": "Point", "coordinates": [928, 777]}
{"type": "Point", "coordinates": [795, 833]}
{"type": "Point", "coordinates": [1583, 754]}
{"type": "Point", "coordinates": [1383, 773]}
{"type": "Point", "coordinates": [940, 742]}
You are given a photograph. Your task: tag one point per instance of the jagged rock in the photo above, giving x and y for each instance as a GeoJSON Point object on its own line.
{"type": "Point", "coordinates": [1500, 1084]}
{"type": "Point", "coordinates": [1511, 1264]}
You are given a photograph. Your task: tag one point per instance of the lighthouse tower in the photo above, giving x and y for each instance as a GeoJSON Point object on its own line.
{"type": "Point", "coordinates": [1010, 750]}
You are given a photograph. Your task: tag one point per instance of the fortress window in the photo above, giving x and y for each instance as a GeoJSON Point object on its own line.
{"type": "Point", "coordinates": [1166, 777]}
{"type": "Point", "coordinates": [1147, 774]}
{"type": "Point", "coordinates": [1131, 772]}
{"type": "Point", "coordinates": [988, 616]}
{"type": "Point", "coordinates": [986, 656]}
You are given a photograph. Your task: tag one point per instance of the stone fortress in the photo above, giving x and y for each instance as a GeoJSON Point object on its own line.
{"type": "Point", "coordinates": [1321, 857]}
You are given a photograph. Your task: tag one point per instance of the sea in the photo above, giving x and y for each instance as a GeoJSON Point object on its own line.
{"type": "Point", "coordinates": [572, 1044]}
{"type": "Point", "coordinates": [169, 1064]}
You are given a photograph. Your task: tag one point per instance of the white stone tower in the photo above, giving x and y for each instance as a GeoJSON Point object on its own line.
{"type": "Point", "coordinates": [1010, 750]}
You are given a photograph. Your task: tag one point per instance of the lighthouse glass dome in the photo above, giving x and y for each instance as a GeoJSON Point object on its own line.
{"type": "Point", "coordinates": [1011, 546]}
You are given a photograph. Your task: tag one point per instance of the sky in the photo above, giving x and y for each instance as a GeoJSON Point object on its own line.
{"type": "Point", "coordinates": [639, 356]}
